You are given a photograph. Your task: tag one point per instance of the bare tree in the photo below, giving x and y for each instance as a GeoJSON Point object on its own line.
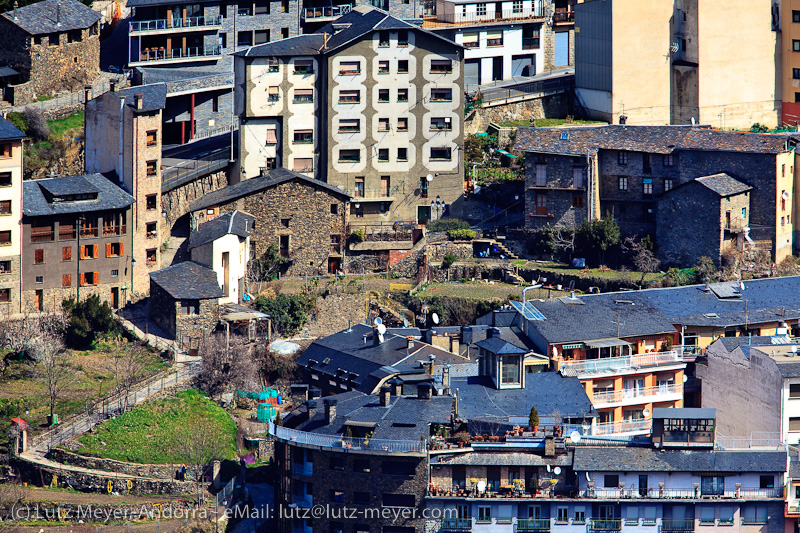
{"type": "Point", "coordinates": [264, 268]}
{"type": "Point", "coordinates": [563, 239]}
{"type": "Point", "coordinates": [20, 337]}
{"type": "Point", "coordinates": [11, 495]}
{"type": "Point", "coordinates": [128, 366]}
{"type": "Point", "coordinates": [53, 365]}
{"type": "Point", "coordinates": [202, 440]}
{"type": "Point", "coordinates": [227, 365]}
{"type": "Point", "coordinates": [643, 259]}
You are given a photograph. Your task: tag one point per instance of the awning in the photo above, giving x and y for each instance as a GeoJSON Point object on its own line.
{"type": "Point", "coordinates": [7, 71]}
{"type": "Point", "coordinates": [507, 154]}
{"type": "Point", "coordinates": [607, 343]}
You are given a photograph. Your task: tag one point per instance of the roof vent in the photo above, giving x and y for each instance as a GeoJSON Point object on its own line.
{"type": "Point", "coordinates": [565, 136]}
{"type": "Point", "coordinates": [326, 360]}
{"type": "Point", "coordinates": [711, 315]}
{"type": "Point", "coordinates": [624, 302]}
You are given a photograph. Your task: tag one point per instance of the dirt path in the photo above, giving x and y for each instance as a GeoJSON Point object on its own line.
{"type": "Point", "coordinates": [63, 496]}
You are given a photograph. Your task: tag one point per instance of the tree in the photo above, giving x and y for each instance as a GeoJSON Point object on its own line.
{"type": "Point", "coordinates": [88, 319]}
{"type": "Point", "coordinates": [227, 366]}
{"type": "Point", "coordinates": [53, 364]}
{"type": "Point", "coordinates": [533, 418]}
{"type": "Point", "coordinates": [36, 124]}
{"type": "Point", "coordinates": [597, 236]}
{"type": "Point", "coordinates": [129, 365]}
{"type": "Point", "coordinates": [265, 268]}
{"type": "Point", "coordinates": [21, 335]}
{"type": "Point", "coordinates": [477, 147]}
{"type": "Point", "coordinates": [289, 312]}
{"type": "Point", "coordinates": [202, 440]}
{"type": "Point", "coordinates": [643, 258]}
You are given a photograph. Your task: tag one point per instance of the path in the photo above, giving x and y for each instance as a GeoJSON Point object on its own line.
{"type": "Point", "coordinates": [99, 86]}
{"type": "Point", "coordinates": [65, 496]}
{"type": "Point", "coordinates": [263, 497]}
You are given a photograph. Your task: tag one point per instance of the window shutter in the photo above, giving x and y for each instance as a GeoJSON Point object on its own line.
{"type": "Point", "coordinates": [96, 277]}
{"type": "Point", "coordinates": [83, 279]}
{"type": "Point", "coordinates": [81, 252]}
{"type": "Point", "coordinates": [66, 253]}
{"type": "Point", "coordinates": [108, 249]}
{"type": "Point", "coordinates": [121, 249]}
{"type": "Point", "coordinates": [96, 253]}
{"type": "Point", "coordinates": [66, 280]}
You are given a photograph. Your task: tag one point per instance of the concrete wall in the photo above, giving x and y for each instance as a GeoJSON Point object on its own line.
{"type": "Point", "coordinates": [210, 255]}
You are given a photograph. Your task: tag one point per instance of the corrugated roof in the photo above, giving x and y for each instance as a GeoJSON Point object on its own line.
{"type": "Point", "coordinates": [36, 193]}
{"type": "Point", "coordinates": [52, 16]}
{"type": "Point", "coordinates": [188, 281]}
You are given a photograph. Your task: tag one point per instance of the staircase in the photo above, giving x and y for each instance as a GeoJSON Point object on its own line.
{"type": "Point", "coordinates": [503, 248]}
{"type": "Point", "coordinates": [176, 252]}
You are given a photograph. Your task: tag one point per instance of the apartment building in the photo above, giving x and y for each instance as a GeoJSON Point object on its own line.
{"type": "Point", "coordinates": [683, 74]}
{"type": "Point", "coordinates": [370, 104]}
{"type": "Point", "coordinates": [78, 241]}
{"type": "Point", "coordinates": [789, 20]}
{"type": "Point", "coordinates": [10, 216]}
{"type": "Point", "coordinates": [629, 172]}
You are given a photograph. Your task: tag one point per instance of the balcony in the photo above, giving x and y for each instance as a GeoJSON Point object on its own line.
{"type": "Point", "coordinates": [303, 469]}
{"type": "Point", "coordinates": [294, 436]}
{"type": "Point", "coordinates": [564, 17]}
{"type": "Point", "coordinates": [456, 525]}
{"type": "Point", "coordinates": [482, 19]}
{"type": "Point", "coordinates": [175, 24]}
{"type": "Point", "coordinates": [326, 13]}
{"type": "Point", "coordinates": [660, 393]}
{"type": "Point", "coordinates": [530, 43]}
{"type": "Point", "coordinates": [89, 231]}
{"type": "Point", "coordinates": [640, 426]}
{"type": "Point", "coordinates": [108, 231]}
{"type": "Point", "coordinates": [677, 526]}
{"type": "Point", "coordinates": [378, 194]}
{"type": "Point", "coordinates": [622, 363]}
{"type": "Point", "coordinates": [680, 493]}
{"type": "Point", "coordinates": [734, 226]}
{"type": "Point", "coordinates": [533, 524]}
{"type": "Point", "coordinates": [177, 55]}
{"type": "Point", "coordinates": [42, 235]}
{"type": "Point", "coordinates": [605, 525]}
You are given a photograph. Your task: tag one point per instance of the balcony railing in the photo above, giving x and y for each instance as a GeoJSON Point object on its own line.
{"type": "Point", "coordinates": [677, 525]}
{"type": "Point", "coordinates": [179, 53]}
{"type": "Point", "coordinates": [623, 426]}
{"type": "Point", "coordinates": [175, 23]}
{"type": "Point", "coordinates": [89, 231]}
{"type": "Point", "coordinates": [681, 493]}
{"type": "Point", "coordinates": [626, 362]}
{"type": "Point", "coordinates": [605, 525]}
{"type": "Point", "coordinates": [533, 524]}
{"type": "Point", "coordinates": [111, 230]}
{"type": "Point", "coordinates": [303, 469]}
{"type": "Point", "coordinates": [564, 17]}
{"type": "Point", "coordinates": [347, 443]}
{"type": "Point", "coordinates": [449, 19]}
{"type": "Point", "coordinates": [530, 44]}
{"type": "Point", "coordinates": [377, 192]}
{"type": "Point", "coordinates": [42, 235]}
{"type": "Point", "coordinates": [311, 13]}
{"type": "Point", "coordinates": [457, 524]}
{"type": "Point", "coordinates": [757, 439]}
{"type": "Point", "coordinates": [645, 394]}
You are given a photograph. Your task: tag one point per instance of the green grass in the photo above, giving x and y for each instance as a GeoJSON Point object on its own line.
{"type": "Point", "coordinates": [515, 123]}
{"type": "Point", "coordinates": [152, 433]}
{"type": "Point", "coordinates": [561, 268]}
{"type": "Point", "coordinates": [474, 289]}
{"type": "Point", "coordinates": [44, 98]}
{"type": "Point", "coordinates": [550, 122]}
{"type": "Point", "coordinates": [61, 126]}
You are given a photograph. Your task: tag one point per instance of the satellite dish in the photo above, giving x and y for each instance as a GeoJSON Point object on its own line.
{"type": "Point", "coordinates": [685, 378]}
{"type": "Point", "coordinates": [646, 412]}
{"type": "Point", "coordinates": [785, 195]}
{"type": "Point", "coordinates": [741, 285]}
{"type": "Point", "coordinates": [575, 437]}
{"type": "Point", "coordinates": [381, 328]}
{"type": "Point", "coordinates": [377, 321]}
{"type": "Point", "coordinates": [557, 470]}
{"type": "Point", "coordinates": [429, 178]}
{"type": "Point", "coordinates": [435, 318]}
{"type": "Point", "coordinates": [794, 349]}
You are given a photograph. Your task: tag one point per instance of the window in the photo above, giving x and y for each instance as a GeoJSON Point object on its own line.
{"type": "Point", "coordinates": [442, 95]}
{"type": "Point", "coordinates": [725, 516]}
{"type": "Point", "coordinates": [53, 39]}
{"type": "Point", "coordinates": [383, 124]}
{"type": "Point", "coordinates": [89, 278]}
{"type": "Point", "coordinates": [272, 163]}
{"type": "Point", "coordinates": [273, 93]}
{"type": "Point", "coordinates": [285, 222]}
{"type": "Point", "coordinates": [151, 229]}
{"type": "Point", "coordinates": [796, 73]}
{"type": "Point", "coordinates": [303, 136]}
{"type": "Point", "coordinates": [562, 515]}
{"type": "Point", "coordinates": [481, 10]}
{"type": "Point", "coordinates": [349, 156]}
{"type": "Point", "coordinates": [580, 515]}
{"type": "Point", "coordinates": [402, 38]}
{"type": "Point", "coordinates": [402, 95]}
{"type": "Point", "coordinates": [5, 295]}
{"type": "Point", "coordinates": [5, 150]}
{"type": "Point", "coordinates": [336, 496]}
{"type": "Point", "coordinates": [441, 124]}
{"type": "Point", "coordinates": [5, 179]}
{"type": "Point", "coordinates": [649, 515]}
{"type": "Point", "coordinates": [38, 256]}
{"type": "Point", "coordinates": [244, 38]}
{"type": "Point", "coordinates": [5, 238]}
{"type": "Point", "coordinates": [274, 65]}
{"type": "Point", "coordinates": [541, 203]}
{"type": "Point", "coordinates": [484, 514]}
{"type": "Point", "coordinates": [383, 95]}
{"type": "Point", "coordinates": [152, 138]}
{"type": "Point", "coordinates": [577, 200]}
{"type": "Point", "coordinates": [39, 280]}
{"type": "Point", "coordinates": [402, 154]}
{"type": "Point", "coordinates": [303, 95]}
{"type": "Point", "coordinates": [668, 160]}
{"type": "Point", "coordinates": [767, 482]}
{"type": "Point", "coordinates": [303, 66]}
{"type": "Point", "coordinates": [152, 168]}
{"type": "Point", "coordinates": [754, 514]}
{"type": "Point", "coordinates": [632, 515]}
{"type": "Point", "coordinates": [261, 36]}
{"type": "Point", "coordinates": [90, 251]}
{"type": "Point", "coordinates": [151, 202]}
{"type": "Point", "coordinates": [494, 38]}
{"type": "Point", "coordinates": [712, 485]}
{"type": "Point", "coordinates": [647, 186]}
{"type": "Point", "coordinates": [471, 40]}
{"type": "Point", "coordinates": [303, 164]}
{"type": "Point", "coordinates": [383, 154]}
{"type": "Point", "coordinates": [402, 124]}
{"type": "Point", "coordinates": [516, 7]}
{"type": "Point", "coordinates": [622, 157]}
{"type": "Point", "coordinates": [794, 388]}
{"type": "Point", "coordinates": [361, 498]}
{"type": "Point", "coordinates": [611, 481]}
{"type": "Point", "coordinates": [383, 67]}
{"type": "Point", "coordinates": [795, 16]}
{"type": "Point", "coordinates": [707, 515]}
{"type": "Point", "coordinates": [441, 66]}
{"type": "Point", "coordinates": [349, 97]}
{"type": "Point", "coordinates": [66, 280]}
{"type": "Point", "coordinates": [441, 153]}
{"type": "Point", "coordinates": [350, 68]}
{"type": "Point", "coordinates": [114, 273]}
{"type": "Point", "coordinates": [190, 307]}
{"type": "Point", "coordinates": [795, 45]}
{"type": "Point", "coordinates": [114, 249]}
{"type": "Point", "coordinates": [383, 38]}
{"type": "Point", "coordinates": [349, 125]}
{"type": "Point", "coordinates": [667, 184]}
{"type": "Point", "coordinates": [402, 66]}
{"type": "Point", "coordinates": [5, 207]}
{"type": "Point", "coordinates": [150, 256]}
{"type": "Point", "coordinates": [334, 209]}
{"type": "Point", "coordinates": [5, 267]}
{"type": "Point", "coordinates": [622, 183]}
{"type": "Point", "coordinates": [285, 31]}
{"type": "Point", "coordinates": [398, 468]}
{"type": "Point", "coordinates": [262, 8]}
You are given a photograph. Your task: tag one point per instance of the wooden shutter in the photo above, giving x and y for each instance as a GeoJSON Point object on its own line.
{"type": "Point", "coordinates": [38, 256]}
{"type": "Point", "coordinates": [108, 249]}
{"type": "Point", "coordinates": [82, 281]}
{"type": "Point", "coordinates": [96, 253]}
{"type": "Point", "coordinates": [96, 277]}
{"type": "Point", "coordinates": [66, 253]}
{"type": "Point", "coordinates": [66, 280]}
{"type": "Point", "coordinates": [121, 249]}
{"type": "Point", "coordinates": [81, 253]}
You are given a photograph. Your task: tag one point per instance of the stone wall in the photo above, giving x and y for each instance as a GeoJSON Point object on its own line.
{"type": "Point", "coordinates": [335, 313]}
{"type": "Point", "coordinates": [555, 106]}
{"type": "Point", "coordinates": [196, 326]}
{"type": "Point", "coordinates": [10, 280]}
{"type": "Point", "coordinates": [165, 317]}
{"type": "Point", "coordinates": [436, 252]}
{"type": "Point", "coordinates": [176, 202]}
{"type": "Point", "coordinates": [165, 472]}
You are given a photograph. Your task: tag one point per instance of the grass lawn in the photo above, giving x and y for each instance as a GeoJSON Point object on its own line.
{"type": "Point", "coordinates": [561, 268]}
{"type": "Point", "coordinates": [152, 433]}
{"type": "Point", "coordinates": [59, 127]}
{"type": "Point", "coordinates": [476, 289]}
{"type": "Point", "coordinates": [550, 122]}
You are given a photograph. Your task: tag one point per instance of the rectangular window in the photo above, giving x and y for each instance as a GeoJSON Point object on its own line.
{"type": "Point", "coordinates": [383, 124]}
{"type": "Point", "coordinates": [668, 160]}
{"type": "Point", "coordinates": [484, 514]}
{"type": "Point", "coordinates": [577, 200]}
{"type": "Point", "coordinates": [580, 515]}
{"type": "Point", "coordinates": [152, 138]}
{"type": "Point", "coordinates": [795, 16]}
{"type": "Point", "coordinates": [334, 209]}
{"type": "Point", "coordinates": [244, 38]}
{"type": "Point", "coordinates": [39, 280]}
{"type": "Point", "coordinates": [349, 125]}
{"type": "Point", "coordinates": [5, 238]}
{"type": "Point", "coordinates": [303, 66]}
{"type": "Point", "coordinates": [5, 267]}
{"type": "Point", "coordinates": [402, 95]}
{"type": "Point", "coordinates": [794, 388]}
{"type": "Point", "coordinates": [442, 95]}
{"type": "Point", "coordinates": [383, 95]}
{"type": "Point", "coordinates": [622, 183]}
{"type": "Point", "coordinates": [667, 184]}
{"type": "Point", "coordinates": [358, 192]}
{"type": "Point", "coordinates": [273, 93]}
{"type": "Point", "coordinates": [152, 168]}
{"type": "Point", "coordinates": [441, 153]}
{"type": "Point", "coordinates": [622, 157]}
{"type": "Point", "coordinates": [383, 67]}
{"type": "Point", "coordinates": [336, 496]}
{"type": "Point", "coordinates": [402, 38]}
{"type": "Point", "coordinates": [66, 280]}
{"type": "Point", "coordinates": [274, 65]}
{"type": "Point", "coordinates": [262, 8]}
{"type": "Point", "coordinates": [89, 278]}
{"type": "Point", "coordinates": [441, 66]}
{"type": "Point", "coordinates": [303, 164]}
{"type": "Point", "coordinates": [402, 124]}
{"type": "Point", "coordinates": [151, 202]}
{"type": "Point", "coordinates": [481, 10]}
{"type": "Point", "coordinates": [350, 68]}
{"type": "Point", "coordinates": [38, 256]}
{"type": "Point", "coordinates": [5, 295]}
{"type": "Point", "coordinates": [471, 40]}
{"type": "Point", "coordinates": [66, 253]}
{"type": "Point", "coordinates": [402, 66]}
{"type": "Point", "coordinates": [766, 482]}
{"type": "Point", "coordinates": [562, 515]}
{"type": "Point", "coordinates": [383, 154]}
{"type": "Point", "coordinates": [261, 36]}
{"type": "Point", "coordinates": [272, 136]}
{"type": "Point", "coordinates": [349, 156]}
{"type": "Point", "coordinates": [151, 228]}
{"type": "Point", "coordinates": [541, 203]}
{"type": "Point", "coordinates": [577, 177]}
{"type": "Point", "coordinates": [115, 273]}
{"type": "Point", "coordinates": [150, 256]}
{"type": "Point", "coordinates": [611, 481]}
{"type": "Point", "coordinates": [441, 124]}
{"type": "Point", "coordinates": [516, 7]}
{"type": "Point", "coordinates": [5, 179]}
{"type": "Point", "coordinates": [5, 207]}
{"type": "Point", "coordinates": [285, 31]}
{"type": "Point", "coordinates": [114, 249]}
{"type": "Point", "coordinates": [494, 38]}
{"type": "Point", "coordinates": [303, 136]}
{"type": "Point", "coordinates": [190, 307]}
{"type": "Point", "coordinates": [402, 154]}
{"type": "Point", "coordinates": [712, 485]}
{"type": "Point", "coordinates": [383, 38]}
{"type": "Point", "coordinates": [349, 97]}
{"type": "Point", "coordinates": [707, 515]}
{"type": "Point", "coordinates": [649, 515]}
{"type": "Point", "coordinates": [303, 95]}
{"type": "Point", "coordinates": [795, 45]}
{"type": "Point", "coordinates": [725, 516]}
{"type": "Point", "coordinates": [754, 514]}
{"type": "Point", "coordinates": [5, 150]}
{"type": "Point", "coordinates": [647, 186]}
{"type": "Point", "coordinates": [632, 515]}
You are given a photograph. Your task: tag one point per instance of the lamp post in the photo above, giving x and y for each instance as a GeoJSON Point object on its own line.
{"type": "Point", "coordinates": [438, 205]}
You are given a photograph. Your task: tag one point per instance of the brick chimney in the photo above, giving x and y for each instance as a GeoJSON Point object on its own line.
{"type": "Point", "coordinates": [112, 85]}
{"type": "Point", "coordinates": [386, 395]}
{"type": "Point", "coordinates": [138, 101]}
{"type": "Point", "coordinates": [424, 391]}
{"type": "Point", "coordinates": [312, 408]}
{"type": "Point", "coordinates": [330, 410]}
{"type": "Point", "coordinates": [87, 94]}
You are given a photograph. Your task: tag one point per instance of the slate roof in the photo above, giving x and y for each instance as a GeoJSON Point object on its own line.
{"type": "Point", "coordinates": [9, 132]}
{"type": "Point", "coordinates": [629, 459]}
{"type": "Point", "coordinates": [652, 139]}
{"type": "Point", "coordinates": [548, 391]}
{"type": "Point", "coordinates": [731, 343]}
{"type": "Point", "coordinates": [507, 341]}
{"type": "Point", "coordinates": [723, 184]}
{"type": "Point", "coordinates": [155, 96]}
{"type": "Point", "coordinates": [35, 195]}
{"type": "Point", "coordinates": [188, 281]}
{"type": "Point", "coordinates": [52, 16]}
{"type": "Point", "coordinates": [140, 3]}
{"type": "Point", "coordinates": [794, 470]}
{"type": "Point", "coordinates": [684, 412]}
{"type": "Point", "coordinates": [360, 21]}
{"type": "Point", "coordinates": [503, 459]}
{"type": "Point", "coordinates": [234, 223]}
{"type": "Point", "coordinates": [254, 185]}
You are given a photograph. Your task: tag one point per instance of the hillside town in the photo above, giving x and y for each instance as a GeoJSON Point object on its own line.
{"type": "Point", "coordinates": [399, 266]}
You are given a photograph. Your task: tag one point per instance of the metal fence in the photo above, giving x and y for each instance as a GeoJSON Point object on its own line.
{"type": "Point", "coordinates": [498, 95]}
{"type": "Point", "coordinates": [101, 86]}
{"type": "Point", "coordinates": [190, 169]}
{"type": "Point", "coordinates": [757, 439]}
{"type": "Point", "coordinates": [224, 496]}
{"type": "Point", "coordinates": [347, 443]}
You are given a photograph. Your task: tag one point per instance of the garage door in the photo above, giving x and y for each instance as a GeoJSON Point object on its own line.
{"type": "Point", "coordinates": [472, 72]}
{"type": "Point", "coordinates": [562, 49]}
{"type": "Point", "coordinates": [523, 66]}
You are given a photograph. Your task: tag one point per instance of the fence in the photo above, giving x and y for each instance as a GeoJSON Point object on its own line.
{"type": "Point", "coordinates": [224, 496]}
{"type": "Point", "coordinates": [101, 86]}
{"type": "Point", "coordinates": [190, 169]}
{"type": "Point", "coordinates": [347, 443]}
{"type": "Point", "coordinates": [535, 89]}
{"type": "Point", "coordinates": [757, 439]}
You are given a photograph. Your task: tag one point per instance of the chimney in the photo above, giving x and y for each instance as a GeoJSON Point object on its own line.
{"type": "Point", "coordinates": [58, 13]}
{"type": "Point", "coordinates": [572, 295]}
{"type": "Point", "coordinates": [398, 387]}
{"type": "Point", "coordinates": [446, 379]}
{"type": "Point", "coordinates": [16, 5]}
{"type": "Point", "coordinates": [493, 332]}
{"type": "Point", "coordinates": [112, 85]}
{"type": "Point", "coordinates": [311, 405]}
{"type": "Point", "coordinates": [386, 394]}
{"type": "Point", "coordinates": [138, 101]}
{"type": "Point", "coordinates": [410, 343]}
{"type": "Point", "coordinates": [87, 94]}
{"type": "Point", "coordinates": [466, 334]}
{"type": "Point", "coordinates": [424, 391]}
{"type": "Point", "coordinates": [330, 410]}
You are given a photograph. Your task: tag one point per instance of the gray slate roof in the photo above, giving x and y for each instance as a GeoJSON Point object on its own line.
{"type": "Point", "coordinates": [35, 195]}
{"type": "Point", "coordinates": [723, 184]}
{"type": "Point", "coordinates": [255, 185]}
{"type": "Point", "coordinates": [7, 71]}
{"type": "Point", "coordinates": [794, 469]}
{"type": "Point", "coordinates": [504, 459]}
{"type": "Point", "coordinates": [685, 412]}
{"type": "Point", "coordinates": [52, 16]}
{"type": "Point", "coordinates": [652, 139]}
{"type": "Point", "coordinates": [629, 459]}
{"type": "Point", "coordinates": [155, 96]}
{"type": "Point", "coordinates": [188, 281]}
{"type": "Point", "coordinates": [300, 45]}
{"type": "Point", "coordinates": [234, 223]}
{"type": "Point", "coordinates": [9, 132]}
{"type": "Point", "coordinates": [507, 341]}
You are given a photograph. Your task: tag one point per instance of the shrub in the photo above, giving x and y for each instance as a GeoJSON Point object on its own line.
{"type": "Point", "coordinates": [461, 234]}
{"type": "Point", "coordinates": [18, 120]}
{"type": "Point", "coordinates": [533, 418]}
{"type": "Point", "coordinates": [447, 224]}
{"type": "Point", "coordinates": [357, 235]}
{"type": "Point", "coordinates": [289, 312]}
{"type": "Point", "coordinates": [37, 124]}
{"type": "Point", "coordinates": [88, 320]}
{"type": "Point", "coordinates": [448, 260]}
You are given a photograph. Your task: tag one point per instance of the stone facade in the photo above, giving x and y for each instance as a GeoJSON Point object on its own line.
{"type": "Point", "coordinates": [562, 199]}
{"type": "Point", "coordinates": [49, 63]}
{"type": "Point", "coordinates": [160, 471]}
{"type": "Point", "coordinates": [176, 201]}
{"type": "Point", "coordinates": [187, 329]}
{"type": "Point", "coordinates": [555, 106]}
{"type": "Point", "coordinates": [10, 280]}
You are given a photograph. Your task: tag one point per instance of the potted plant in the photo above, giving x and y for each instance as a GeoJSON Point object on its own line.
{"type": "Point", "coordinates": [462, 437]}
{"type": "Point", "coordinates": [533, 420]}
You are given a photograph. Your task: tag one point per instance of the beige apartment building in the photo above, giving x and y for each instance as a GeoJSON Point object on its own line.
{"type": "Point", "coordinates": [370, 104]}
{"type": "Point", "coordinates": [674, 61]}
{"type": "Point", "coordinates": [10, 215]}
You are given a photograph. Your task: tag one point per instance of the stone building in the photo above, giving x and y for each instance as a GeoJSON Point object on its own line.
{"type": "Point", "coordinates": [184, 302]}
{"type": "Point", "coordinates": [713, 212]}
{"type": "Point", "coordinates": [223, 245]}
{"type": "Point", "coordinates": [10, 216]}
{"type": "Point", "coordinates": [53, 45]}
{"type": "Point", "coordinates": [578, 173]}
{"type": "Point", "coordinates": [306, 218]}
{"type": "Point", "coordinates": [78, 241]}
{"type": "Point", "coordinates": [369, 103]}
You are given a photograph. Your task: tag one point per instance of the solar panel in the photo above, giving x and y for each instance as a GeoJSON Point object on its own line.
{"type": "Point", "coordinates": [528, 310]}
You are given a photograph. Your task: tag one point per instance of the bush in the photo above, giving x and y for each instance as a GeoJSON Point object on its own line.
{"type": "Point", "coordinates": [18, 120]}
{"type": "Point", "coordinates": [461, 234]}
{"type": "Point", "coordinates": [447, 224]}
{"type": "Point", "coordinates": [289, 312]}
{"type": "Point", "coordinates": [357, 235]}
{"type": "Point", "coordinates": [597, 236]}
{"type": "Point", "coordinates": [448, 260]}
{"type": "Point", "coordinates": [37, 125]}
{"type": "Point", "coordinates": [88, 320]}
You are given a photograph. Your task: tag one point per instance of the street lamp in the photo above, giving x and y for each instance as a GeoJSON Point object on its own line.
{"type": "Point", "coordinates": [438, 205]}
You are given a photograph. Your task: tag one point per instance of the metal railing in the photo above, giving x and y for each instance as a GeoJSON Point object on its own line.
{"type": "Point", "coordinates": [563, 17]}
{"type": "Point", "coordinates": [189, 170]}
{"type": "Point", "coordinates": [677, 525]}
{"type": "Point", "coordinates": [457, 524]}
{"type": "Point", "coordinates": [447, 19]}
{"type": "Point", "coordinates": [680, 493]}
{"type": "Point", "coordinates": [645, 393]}
{"type": "Point", "coordinates": [605, 525]}
{"type": "Point", "coordinates": [311, 13]}
{"type": "Point", "coordinates": [175, 23]}
{"type": "Point", "coordinates": [625, 362]}
{"type": "Point", "coordinates": [372, 192]}
{"type": "Point", "coordinates": [757, 439]}
{"type": "Point", "coordinates": [533, 524]}
{"type": "Point", "coordinates": [224, 496]}
{"type": "Point", "coordinates": [347, 443]}
{"type": "Point", "coordinates": [622, 426]}
{"type": "Point", "coordinates": [191, 52]}
{"type": "Point", "coordinates": [532, 43]}
{"type": "Point", "coordinates": [497, 95]}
